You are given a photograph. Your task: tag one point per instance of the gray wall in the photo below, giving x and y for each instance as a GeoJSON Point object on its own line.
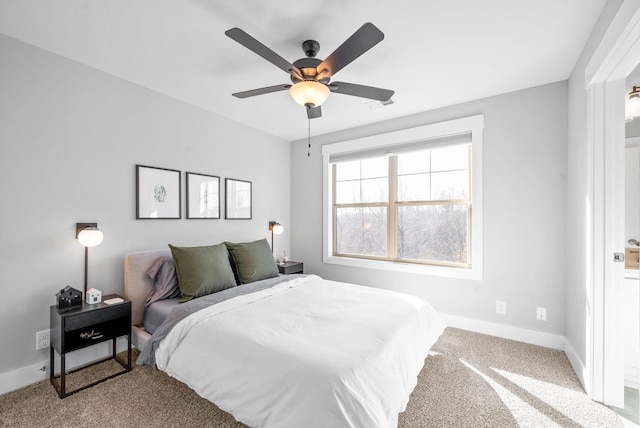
{"type": "Point", "coordinates": [71, 137]}
{"type": "Point", "coordinates": [524, 185]}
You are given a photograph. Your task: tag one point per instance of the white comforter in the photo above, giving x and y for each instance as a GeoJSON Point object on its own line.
{"type": "Point", "coordinates": [305, 353]}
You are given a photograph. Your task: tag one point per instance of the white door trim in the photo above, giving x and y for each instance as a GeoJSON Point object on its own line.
{"type": "Point", "coordinates": [617, 55]}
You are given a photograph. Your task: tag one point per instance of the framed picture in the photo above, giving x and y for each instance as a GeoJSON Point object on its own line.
{"type": "Point", "coordinates": [157, 193]}
{"type": "Point", "coordinates": [203, 196]}
{"type": "Point", "coordinates": [238, 203]}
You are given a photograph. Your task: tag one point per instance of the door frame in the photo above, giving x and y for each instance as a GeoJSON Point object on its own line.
{"type": "Point", "coordinates": [615, 58]}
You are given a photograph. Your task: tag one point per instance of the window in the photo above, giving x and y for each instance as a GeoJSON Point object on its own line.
{"type": "Point", "coordinates": [404, 200]}
{"type": "Point", "coordinates": [361, 207]}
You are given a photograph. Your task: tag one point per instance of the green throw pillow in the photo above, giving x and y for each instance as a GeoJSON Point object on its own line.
{"type": "Point", "coordinates": [253, 260]}
{"type": "Point", "coordinates": [202, 270]}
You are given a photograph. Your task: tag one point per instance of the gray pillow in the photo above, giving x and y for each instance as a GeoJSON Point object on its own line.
{"type": "Point", "coordinates": [253, 260]}
{"type": "Point", "coordinates": [202, 270]}
{"type": "Point", "coordinates": [165, 282]}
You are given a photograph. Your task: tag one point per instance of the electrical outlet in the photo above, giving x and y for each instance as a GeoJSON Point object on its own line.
{"type": "Point", "coordinates": [42, 339]}
{"type": "Point", "coordinates": [501, 307]}
{"type": "Point", "coordinates": [541, 314]}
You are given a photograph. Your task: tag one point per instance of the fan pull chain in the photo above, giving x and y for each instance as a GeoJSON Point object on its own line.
{"type": "Point", "coordinates": [309, 139]}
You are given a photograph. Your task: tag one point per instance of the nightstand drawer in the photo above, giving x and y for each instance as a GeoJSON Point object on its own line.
{"type": "Point", "coordinates": [96, 333]}
{"type": "Point", "coordinates": [93, 317]}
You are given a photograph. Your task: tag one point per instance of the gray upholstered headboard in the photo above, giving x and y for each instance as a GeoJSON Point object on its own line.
{"type": "Point", "coordinates": [137, 284]}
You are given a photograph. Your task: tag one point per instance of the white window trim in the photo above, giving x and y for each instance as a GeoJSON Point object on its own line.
{"type": "Point", "coordinates": [473, 125]}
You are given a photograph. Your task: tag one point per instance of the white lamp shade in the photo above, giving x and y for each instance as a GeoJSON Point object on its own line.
{"type": "Point", "coordinates": [90, 237]}
{"type": "Point", "coordinates": [309, 92]}
{"type": "Point", "coordinates": [278, 229]}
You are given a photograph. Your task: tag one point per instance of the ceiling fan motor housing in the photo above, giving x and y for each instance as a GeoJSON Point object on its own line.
{"type": "Point", "coordinates": [308, 68]}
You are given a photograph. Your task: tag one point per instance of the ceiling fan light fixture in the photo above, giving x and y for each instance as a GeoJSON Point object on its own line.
{"type": "Point", "coordinates": [309, 92]}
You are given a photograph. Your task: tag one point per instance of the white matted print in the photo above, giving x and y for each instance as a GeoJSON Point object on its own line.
{"type": "Point", "coordinates": [203, 196]}
{"type": "Point", "coordinates": [238, 203]}
{"type": "Point", "coordinates": [157, 193]}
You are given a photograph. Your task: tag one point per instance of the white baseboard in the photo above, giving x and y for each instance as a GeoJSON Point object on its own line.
{"type": "Point", "coordinates": [548, 340]}
{"type": "Point", "coordinates": [578, 366]}
{"type": "Point", "coordinates": [23, 376]}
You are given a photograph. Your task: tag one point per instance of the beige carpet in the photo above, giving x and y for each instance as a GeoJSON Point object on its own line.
{"type": "Point", "coordinates": [470, 380]}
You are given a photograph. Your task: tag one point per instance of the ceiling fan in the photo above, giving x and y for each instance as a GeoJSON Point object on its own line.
{"type": "Point", "coordinates": [311, 77]}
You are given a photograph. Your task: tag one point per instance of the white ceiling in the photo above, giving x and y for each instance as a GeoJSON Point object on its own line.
{"type": "Point", "coordinates": [435, 53]}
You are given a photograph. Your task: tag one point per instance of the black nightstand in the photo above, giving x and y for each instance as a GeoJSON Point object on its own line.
{"type": "Point", "coordinates": [81, 326]}
{"type": "Point", "coordinates": [290, 267]}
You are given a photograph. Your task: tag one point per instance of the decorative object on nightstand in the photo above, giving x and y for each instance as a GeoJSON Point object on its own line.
{"type": "Point", "coordinates": [88, 235]}
{"type": "Point", "coordinates": [68, 297]}
{"type": "Point", "coordinates": [275, 228]}
{"type": "Point", "coordinates": [93, 296]}
{"type": "Point", "coordinates": [288, 268]}
{"type": "Point", "coordinates": [81, 326]}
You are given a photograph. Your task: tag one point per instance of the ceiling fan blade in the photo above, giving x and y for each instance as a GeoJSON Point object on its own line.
{"type": "Point", "coordinates": [314, 112]}
{"type": "Point", "coordinates": [361, 91]}
{"type": "Point", "coordinates": [361, 41]}
{"type": "Point", "coordinates": [254, 45]}
{"type": "Point", "coordinates": [261, 91]}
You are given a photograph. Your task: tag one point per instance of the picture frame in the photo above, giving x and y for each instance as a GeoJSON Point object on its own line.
{"type": "Point", "coordinates": [203, 196]}
{"type": "Point", "coordinates": [158, 193]}
{"type": "Point", "coordinates": [238, 199]}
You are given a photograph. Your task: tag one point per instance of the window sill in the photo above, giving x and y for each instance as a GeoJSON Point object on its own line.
{"type": "Point", "coordinates": [441, 271]}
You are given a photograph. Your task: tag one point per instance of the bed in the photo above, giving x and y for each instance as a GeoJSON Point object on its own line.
{"type": "Point", "coordinates": [289, 351]}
